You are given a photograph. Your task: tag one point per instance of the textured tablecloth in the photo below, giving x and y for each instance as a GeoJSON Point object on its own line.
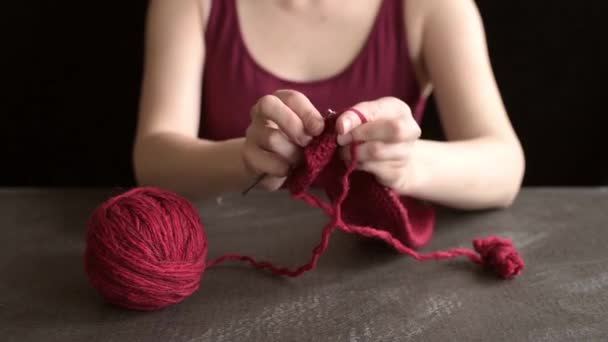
{"type": "Point", "coordinates": [361, 290]}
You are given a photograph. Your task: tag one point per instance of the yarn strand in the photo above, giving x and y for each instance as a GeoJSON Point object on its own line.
{"type": "Point", "coordinates": [388, 238]}
{"type": "Point", "coordinates": [336, 221]}
{"type": "Point", "coordinates": [492, 252]}
{"type": "Point", "coordinates": [147, 248]}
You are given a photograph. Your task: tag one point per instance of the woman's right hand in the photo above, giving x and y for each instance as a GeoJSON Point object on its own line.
{"type": "Point", "coordinates": [282, 124]}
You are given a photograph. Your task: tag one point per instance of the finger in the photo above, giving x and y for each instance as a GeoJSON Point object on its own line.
{"type": "Point", "coordinates": [378, 151]}
{"type": "Point", "coordinates": [355, 116]}
{"type": "Point", "coordinates": [266, 182]}
{"type": "Point", "coordinates": [271, 108]}
{"type": "Point", "coordinates": [386, 172]}
{"type": "Point", "coordinates": [260, 162]}
{"type": "Point", "coordinates": [386, 130]}
{"type": "Point", "coordinates": [273, 140]}
{"type": "Point", "coordinates": [272, 183]}
{"type": "Point", "coordinates": [300, 104]}
{"type": "Point", "coordinates": [386, 107]}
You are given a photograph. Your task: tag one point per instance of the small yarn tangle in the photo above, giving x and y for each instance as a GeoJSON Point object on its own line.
{"type": "Point", "coordinates": [147, 249]}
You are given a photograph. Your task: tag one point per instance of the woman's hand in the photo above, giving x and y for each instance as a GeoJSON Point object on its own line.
{"type": "Point", "coordinates": [386, 140]}
{"type": "Point", "coordinates": [281, 125]}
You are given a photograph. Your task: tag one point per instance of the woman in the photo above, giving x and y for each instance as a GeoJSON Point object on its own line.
{"type": "Point", "coordinates": [233, 89]}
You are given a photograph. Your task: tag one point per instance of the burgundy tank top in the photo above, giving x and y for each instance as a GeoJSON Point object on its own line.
{"type": "Point", "coordinates": [233, 81]}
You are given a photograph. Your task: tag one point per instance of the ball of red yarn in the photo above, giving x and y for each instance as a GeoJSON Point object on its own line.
{"type": "Point", "coordinates": [145, 249]}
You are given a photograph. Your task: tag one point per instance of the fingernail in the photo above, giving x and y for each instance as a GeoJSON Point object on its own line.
{"type": "Point", "coordinates": [346, 124]}
{"type": "Point", "coordinates": [344, 139]}
{"type": "Point", "coordinates": [319, 127]}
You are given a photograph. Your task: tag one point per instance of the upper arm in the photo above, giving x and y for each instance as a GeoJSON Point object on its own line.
{"type": "Point", "coordinates": [457, 63]}
{"type": "Point", "coordinates": [174, 59]}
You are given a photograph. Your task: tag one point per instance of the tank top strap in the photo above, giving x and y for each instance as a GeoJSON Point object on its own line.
{"type": "Point", "coordinates": [390, 29]}
{"type": "Point", "coordinates": [222, 28]}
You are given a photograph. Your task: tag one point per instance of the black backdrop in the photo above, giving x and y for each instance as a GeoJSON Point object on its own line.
{"type": "Point", "coordinates": [73, 69]}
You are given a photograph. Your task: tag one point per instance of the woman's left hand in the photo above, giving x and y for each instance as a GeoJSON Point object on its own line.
{"type": "Point", "coordinates": [385, 140]}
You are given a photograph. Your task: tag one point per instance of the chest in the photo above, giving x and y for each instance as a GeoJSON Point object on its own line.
{"type": "Point", "coordinates": [306, 44]}
{"type": "Point", "coordinates": [336, 58]}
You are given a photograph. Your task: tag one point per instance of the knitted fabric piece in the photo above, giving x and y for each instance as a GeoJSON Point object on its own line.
{"type": "Point", "coordinates": [368, 202]}
{"type": "Point", "coordinates": [360, 205]}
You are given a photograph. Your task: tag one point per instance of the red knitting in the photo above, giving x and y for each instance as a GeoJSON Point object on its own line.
{"type": "Point", "coordinates": [360, 205]}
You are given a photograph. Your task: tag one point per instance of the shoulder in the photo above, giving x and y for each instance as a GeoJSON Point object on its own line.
{"type": "Point", "coordinates": [426, 18]}
{"type": "Point", "coordinates": [433, 23]}
{"type": "Point", "coordinates": [176, 12]}
{"type": "Point", "coordinates": [421, 12]}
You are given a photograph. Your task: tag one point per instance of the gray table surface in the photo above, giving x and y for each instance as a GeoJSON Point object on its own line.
{"type": "Point", "coordinates": [361, 290]}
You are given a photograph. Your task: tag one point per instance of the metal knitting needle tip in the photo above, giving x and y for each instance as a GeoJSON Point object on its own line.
{"type": "Point", "coordinates": [254, 184]}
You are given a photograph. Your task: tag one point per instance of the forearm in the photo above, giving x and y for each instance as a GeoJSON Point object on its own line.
{"type": "Point", "coordinates": [190, 166]}
{"type": "Point", "coordinates": [474, 174]}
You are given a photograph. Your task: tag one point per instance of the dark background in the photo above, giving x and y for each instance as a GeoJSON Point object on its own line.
{"type": "Point", "coordinates": [72, 75]}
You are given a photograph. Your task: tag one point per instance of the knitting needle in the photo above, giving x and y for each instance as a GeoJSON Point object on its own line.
{"type": "Point", "coordinates": [254, 184]}
{"type": "Point", "coordinates": [261, 177]}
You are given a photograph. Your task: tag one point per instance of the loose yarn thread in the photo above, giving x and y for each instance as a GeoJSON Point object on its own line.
{"type": "Point", "coordinates": [147, 248]}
